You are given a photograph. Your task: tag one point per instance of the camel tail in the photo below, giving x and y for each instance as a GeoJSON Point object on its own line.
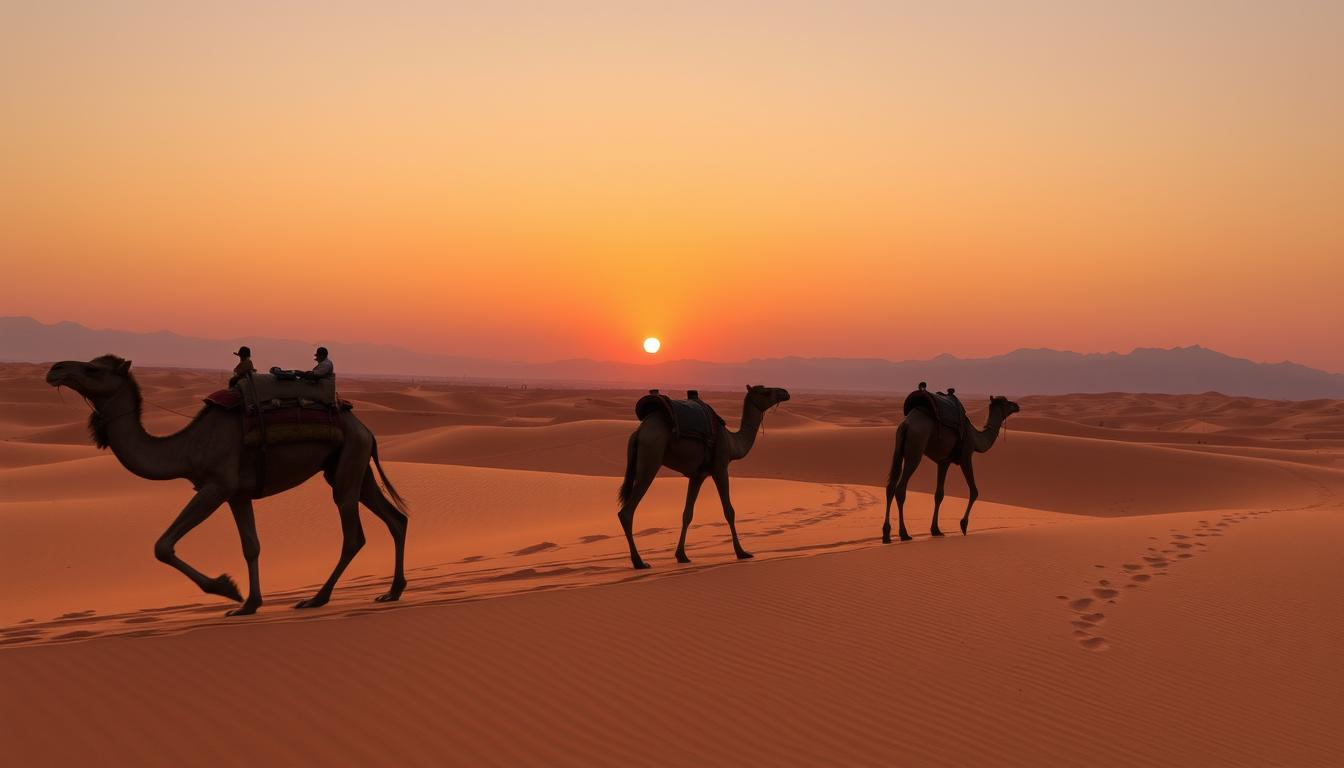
{"type": "Point", "coordinates": [629, 481]}
{"type": "Point", "coordinates": [397, 501]}
{"type": "Point", "coordinates": [897, 457]}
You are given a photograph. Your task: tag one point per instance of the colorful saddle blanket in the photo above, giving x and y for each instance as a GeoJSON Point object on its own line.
{"type": "Point", "coordinates": [946, 408]}
{"type": "Point", "coordinates": [278, 422]}
{"type": "Point", "coordinates": [691, 418]}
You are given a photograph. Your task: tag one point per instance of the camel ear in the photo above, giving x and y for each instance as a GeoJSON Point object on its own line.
{"type": "Point", "coordinates": [748, 387]}
{"type": "Point", "coordinates": [124, 368]}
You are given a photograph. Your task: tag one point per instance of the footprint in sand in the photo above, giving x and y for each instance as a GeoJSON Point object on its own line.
{"type": "Point", "coordinates": [1094, 643]}
{"type": "Point", "coordinates": [1105, 594]}
{"type": "Point", "coordinates": [1084, 623]}
{"type": "Point", "coordinates": [535, 548]}
{"type": "Point", "coordinates": [1132, 567]}
{"type": "Point", "coordinates": [1140, 577]}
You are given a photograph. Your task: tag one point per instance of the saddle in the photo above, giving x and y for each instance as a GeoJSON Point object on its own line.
{"type": "Point", "coordinates": [945, 407]}
{"type": "Point", "coordinates": [279, 412]}
{"type": "Point", "coordinates": [264, 389]}
{"type": "Point", "coordinates": [691, 418]}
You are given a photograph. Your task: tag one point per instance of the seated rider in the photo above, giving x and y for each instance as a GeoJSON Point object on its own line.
{"type": "Point", "coordinates": [244, 366]}
{"type": "Point", "coordinates": [322, 370]}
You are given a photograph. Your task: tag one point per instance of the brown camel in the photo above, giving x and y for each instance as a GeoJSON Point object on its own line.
{"type": "Point", "coordinates": [209, 452]}
{"type": "Point", "coordinates": [921, 434]}
{"type": "Point", "coordinates": [652, 446]}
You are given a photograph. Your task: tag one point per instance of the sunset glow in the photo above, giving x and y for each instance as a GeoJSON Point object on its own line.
{"type": "Point", "coordinates": [865, 179]}
{"type": "Point", "coordinates": [652, 345]}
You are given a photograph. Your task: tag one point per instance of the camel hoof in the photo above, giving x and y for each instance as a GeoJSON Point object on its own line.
{"type": "Point", "coordinates": [906, 537]}
{"type": "Point", "coordinates": [312, 602]}
{"type": "Point", "coordinates": [963, 527]}
{"type": "Point", "coordinates": [224, 586]}
{"type": "Point", "coordinates": [935, 532]}
{"type": "Point", "coordinates": [682, 558]}
{"type": "Point", "coordinates": [244, 609]}
{"type": "Point", "coordinates": [390, 597]}
{"type": "Point", "coordinates": [641, 565]}
{"type": "Point", "coordinates": [744, 555]}
{"type": "Point", "coordinates": [886, 538]}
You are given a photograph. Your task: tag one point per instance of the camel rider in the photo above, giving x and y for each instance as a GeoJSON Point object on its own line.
{"type": "Point", "coordinates": [244, 366]}
{"type": "Point", "coordinates": [322, 370]}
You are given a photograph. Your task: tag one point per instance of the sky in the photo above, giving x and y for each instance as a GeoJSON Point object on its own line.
{"type": "Point", "coordinates": [547, 180]}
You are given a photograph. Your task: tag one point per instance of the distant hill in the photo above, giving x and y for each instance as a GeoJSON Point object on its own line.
{"type": "Point", "coordinates": [1182, 370]}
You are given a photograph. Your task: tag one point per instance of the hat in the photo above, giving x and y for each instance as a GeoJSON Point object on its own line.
{"type": "Point", "coordinates": [321, 350]}
{"type": "Point", "coordinates": [243, 352]}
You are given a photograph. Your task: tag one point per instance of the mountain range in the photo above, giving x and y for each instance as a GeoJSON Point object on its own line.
{"type": "Point", "coordinates": [1180, 370]}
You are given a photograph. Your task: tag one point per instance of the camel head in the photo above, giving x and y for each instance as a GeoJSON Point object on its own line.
{"type": "Point", "coordinates": [98, 379]}
{"type": "Point", "coordinates": [765, 397]}
{"type": "Point", "coordinates": [1003, 406]}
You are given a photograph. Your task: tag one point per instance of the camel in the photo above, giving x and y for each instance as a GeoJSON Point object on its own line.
{"type": "Point", "coordinates": [921, 434]}
{"type": "Point", "coordinates": [652, 445]}
{"type": "Point", "coordinates": [209, 452]}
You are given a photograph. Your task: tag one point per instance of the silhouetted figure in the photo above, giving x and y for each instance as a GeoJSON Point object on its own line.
{"type": "Point", "coordinates": [689, 437]}
{"type": "Point", "coordinates": [936, 426]}
{"type": "Point", "coordinates": [210, 453]}
{"type": "Point", "coordinates": [322, 370]}
{"type": "Point", "coordinates": [244, 366]}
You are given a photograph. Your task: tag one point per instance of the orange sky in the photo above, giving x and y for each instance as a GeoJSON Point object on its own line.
{"type": "Point", "coordinates": [549, 180]}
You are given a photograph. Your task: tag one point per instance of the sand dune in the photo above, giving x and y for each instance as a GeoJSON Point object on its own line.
{"type": "Point", "coordinates": [1147, 580]}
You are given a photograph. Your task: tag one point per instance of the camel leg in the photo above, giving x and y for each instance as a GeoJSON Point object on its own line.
{"type": "Point", "coordinates": [938, 497]}
{"type": "Point", "coordinates": [892, 477]}
{"type": "Point", "coordinates": [201, 506]}
{"type": "Point", "coordinates": [643, 479]}
{"type": "Point", "coordinates": [395, 520]}
{"type": "Point", "coordinates": [247, 532]}
{"type": "Point", "coordinates": [911, 464]}
{"type": "Point", "coordinates": [971, 496]}
{"type": "Point", "coordinates": [721, 480]}
{"type": "Point", "coordinates": [352, 541]}
{"type": "Point", "coordinates": [691, 492]}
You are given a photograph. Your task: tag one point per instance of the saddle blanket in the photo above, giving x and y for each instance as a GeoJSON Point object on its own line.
{"type": "Point", "coordinates": [947, 409]}
{"type": "Point", "coordinates": [689, 418]}
{"type": "Point", "coordinates": [294, 424]}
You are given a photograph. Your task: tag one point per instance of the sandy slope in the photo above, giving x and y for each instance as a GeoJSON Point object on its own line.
{"type": "Point", "coordinates": [1148, 579]}
{"type": "Point", "coordinates": [946, 652]}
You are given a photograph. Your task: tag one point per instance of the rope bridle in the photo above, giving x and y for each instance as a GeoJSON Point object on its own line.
{"type": "Point", "coordinates": [107, 420]}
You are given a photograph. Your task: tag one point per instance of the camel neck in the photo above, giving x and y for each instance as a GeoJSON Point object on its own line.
{"type": "Point", "coordinates": [745, 436]}
{"type": "Point", "coordinates": [984, 439]}
{"type": "Point", "coordinates": [150, 457]}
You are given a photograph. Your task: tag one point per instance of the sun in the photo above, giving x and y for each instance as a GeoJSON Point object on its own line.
{"type": "Point", "coordinates": [652, 345]}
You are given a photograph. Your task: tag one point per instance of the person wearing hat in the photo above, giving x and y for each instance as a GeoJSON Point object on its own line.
{"type": "Point", "coordinates": [323, 369]}
{"type": "Point", "coordinates": [244, 366]}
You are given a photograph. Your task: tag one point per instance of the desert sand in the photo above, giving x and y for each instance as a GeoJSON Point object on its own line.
{"type": "Point", "coordinates": [1148, 579]}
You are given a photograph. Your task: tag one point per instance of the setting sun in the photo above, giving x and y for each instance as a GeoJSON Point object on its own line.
{"type": "Point", "coordinates": [652, 345]}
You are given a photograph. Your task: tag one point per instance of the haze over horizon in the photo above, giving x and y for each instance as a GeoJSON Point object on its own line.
{"type": "Point", "coordinates": [654, 359]}
{"type": "Point", "coordinates": [551, 182]}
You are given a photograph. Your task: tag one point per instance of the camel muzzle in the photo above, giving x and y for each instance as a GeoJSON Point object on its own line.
{"type": "Point", "coordinates": [56, 376]}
